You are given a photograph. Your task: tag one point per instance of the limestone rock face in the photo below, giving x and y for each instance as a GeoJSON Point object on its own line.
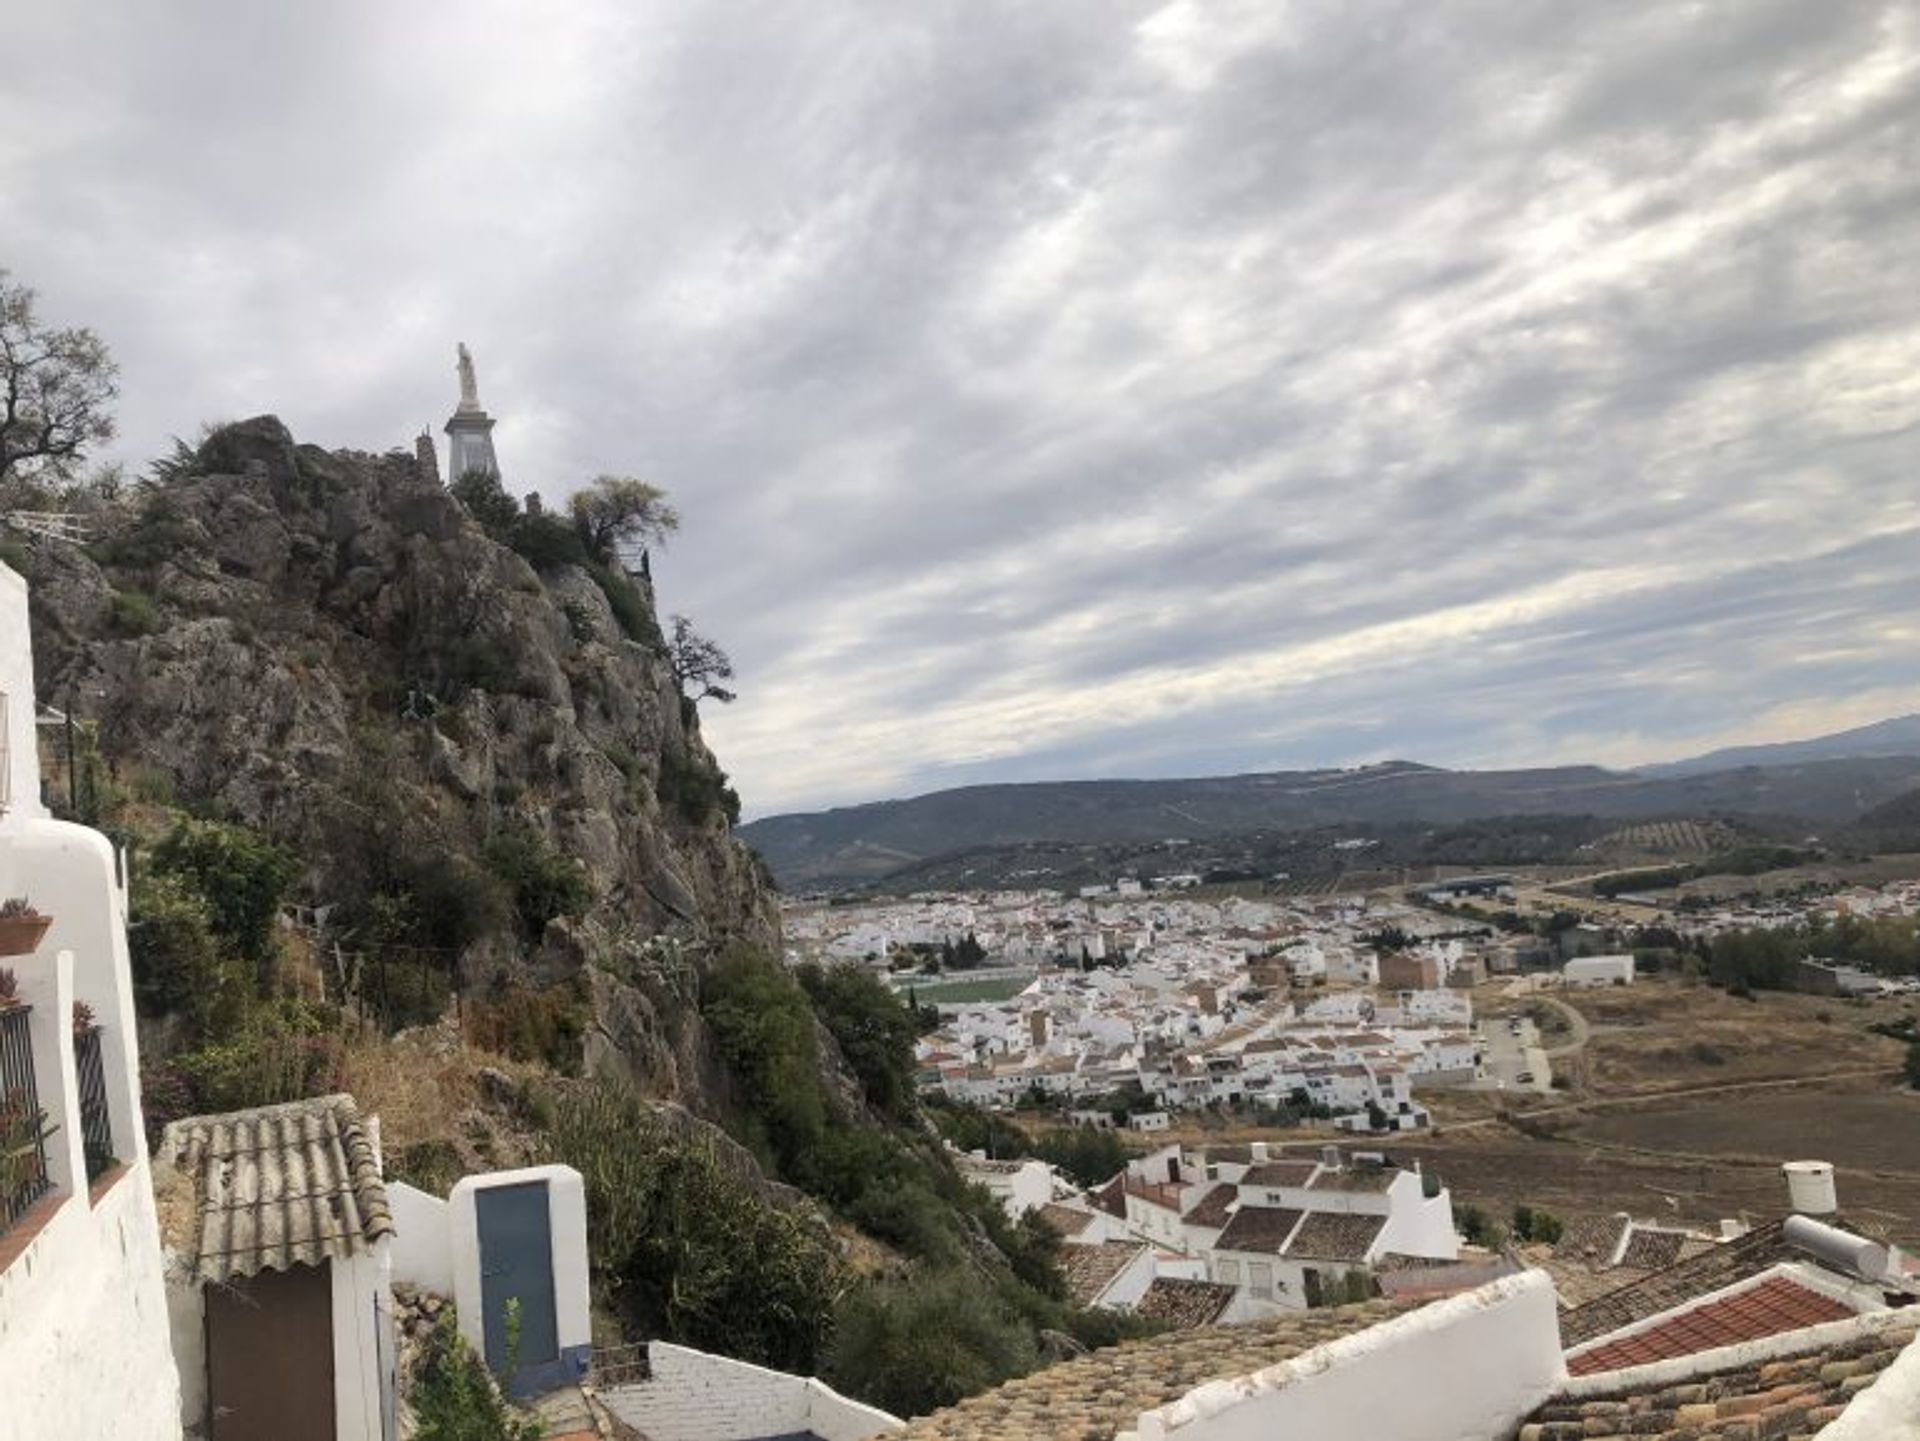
{"type": "Point", "coordinates": [275, 623]}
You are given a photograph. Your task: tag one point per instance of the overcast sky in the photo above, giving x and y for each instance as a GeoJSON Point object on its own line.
{"type": "Point", "coordinates": [1078, 389]}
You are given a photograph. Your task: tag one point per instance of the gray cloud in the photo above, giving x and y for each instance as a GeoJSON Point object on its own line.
{"type": "Point", "coordinates": [1086, 388]}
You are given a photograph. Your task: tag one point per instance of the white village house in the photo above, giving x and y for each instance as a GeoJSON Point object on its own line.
{"type": "Point", "coordinates": [83, 1314]}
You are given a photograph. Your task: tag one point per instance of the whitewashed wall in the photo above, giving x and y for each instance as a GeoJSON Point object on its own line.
{"type": "Point", "coordinates": [83, 1314]}
{"type": "Point", "coordinates": [1463, 1369]}
{"type": "Point", "coordinates": [695, 1396]}
{"type": "Point", "coordinates": [422, 1239]}
{"type": "Point", "coordinates": [362, 1303]}
{"type": "Point", "coordinates": [16, 683]}
{"type": "Point", "coordinates": [83, 1326]}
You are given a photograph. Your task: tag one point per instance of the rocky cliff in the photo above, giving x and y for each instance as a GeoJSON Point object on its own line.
{"type": "Point", "coordinates": [327, 647]}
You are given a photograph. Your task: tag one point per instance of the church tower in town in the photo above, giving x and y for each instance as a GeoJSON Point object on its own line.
{"type": "Point", "coordinates": [469, 428]}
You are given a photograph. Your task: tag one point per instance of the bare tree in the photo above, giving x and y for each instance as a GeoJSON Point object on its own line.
{"type": "Point", "coordinates": [55, 386]}
{"type": "Point", "coordinates": [618, 511]}
{"type": "Point", "coordinates": [697, 661]}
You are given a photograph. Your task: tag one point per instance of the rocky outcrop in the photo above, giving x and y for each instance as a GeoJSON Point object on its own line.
{"type": "Point", "coordinates": [275, 631]}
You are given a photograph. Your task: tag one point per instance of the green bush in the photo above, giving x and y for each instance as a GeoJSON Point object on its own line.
{"type": "Point", "coordinates": [542, 883]}
{"type": "Point", "coordinates": [629, 605]}
{"type": "Point", "coordinates": [241, 874]}
{"type": "Point", "coordinates": [129, 614]}
{"type": "Point", "coordinates": [546, 542]}
{"type": "Point", "coordinates": [282, 1053]}
{"type": "Point", "coordinates": [695, 789]}
{"type": "Point", "coordinates": [914, 1344]}
{"type": "Point", "coordinates": [487, 501]}
{"type": "Point", "coordinates": [873, 1028]}
{"type": "Point", "coordinates": [453, 1397]}
{"type": "Point", "coordinates": [762, 1025]}
{"type": "Point", "coordinates": [687, 1249]}
{"type": "Point", "coordinates": [176, 960]}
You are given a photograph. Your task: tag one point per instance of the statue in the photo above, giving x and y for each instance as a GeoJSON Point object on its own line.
{"type": "Point", "coordinates": [469, 387]}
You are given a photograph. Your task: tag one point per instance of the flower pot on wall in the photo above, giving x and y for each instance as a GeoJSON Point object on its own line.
{"type": "Point", "coordinates": [21, 935]}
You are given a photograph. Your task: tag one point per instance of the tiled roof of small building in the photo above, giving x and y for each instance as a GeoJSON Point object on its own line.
{"type": "Point", "coordinates": [1331, 1236]}
{"type": "Point", "coordinates": [1184, 1304]}
{"type": "Point", "coordinates": [1280, 1173]}
{"type": "Point", "coordinates": [270, 1188]}
{"type": "Point", "coordinates": [1089, 1270]}
{"type": "Point", "coordinates": [1258, 1228]}
{"type": "Point", "coordinates": [1094, 1397]}
{"type": "Point", "coordinates": [1790, 1396]}
{"type": "Point", "coordinates": [1211, 1209]}
{"type": "Point", "coordinates": [1652, 1249]}
{"type": "Point", "coordinates": [1356, 1178]}
{"type": "Point", "coordinates": [1112, 1197]}
{"type": "Point", "coordinates": [1592, 1240]}
{"type": "Point", "coordinates": [1065, 1219]}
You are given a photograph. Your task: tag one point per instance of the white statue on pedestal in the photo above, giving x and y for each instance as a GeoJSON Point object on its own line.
{"type": "Point", "coordinates": [469, 387]}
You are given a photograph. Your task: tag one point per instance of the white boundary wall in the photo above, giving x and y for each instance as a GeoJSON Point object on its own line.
{"type": "Point", "coordinates": [422, 1239]}
{"type": "Point", "coordinates": [1463, 1369]}
{"type": "Point", "coordinates": [696, 1396]}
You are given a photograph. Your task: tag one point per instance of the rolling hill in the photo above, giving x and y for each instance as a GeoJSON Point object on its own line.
{"type": "Point", "coordinates": [864, 843]}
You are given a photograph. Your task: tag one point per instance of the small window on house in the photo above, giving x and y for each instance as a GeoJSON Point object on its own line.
{"type": "Point", "coordinates": [1260, 1278]}
{"type": "Point", "coordinates": [1227, 1273]}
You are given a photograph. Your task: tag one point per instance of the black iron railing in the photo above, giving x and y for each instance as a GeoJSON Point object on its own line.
{"type": "Point", "coordinates": [23, 1125]}
{"type": "Point", "coordinates": [96, 1122]}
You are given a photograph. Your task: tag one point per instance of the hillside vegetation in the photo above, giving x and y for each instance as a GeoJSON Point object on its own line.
{"type": "Point", "coordinates": [446, 735]}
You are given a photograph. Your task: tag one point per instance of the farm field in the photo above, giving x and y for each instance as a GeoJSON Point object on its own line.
{"type": "Point", "coordinates": [1497, 1169]}
{"type": "Point", "coordinates": [1867, 1130]}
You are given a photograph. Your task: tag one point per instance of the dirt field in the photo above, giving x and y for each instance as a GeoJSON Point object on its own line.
{"type": "Point", "coordinates": [1866, 1131]}
{"type": "Point", "coordinates": [1497, 1169]}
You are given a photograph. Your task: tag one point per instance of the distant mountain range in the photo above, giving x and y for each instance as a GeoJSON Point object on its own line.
{"type": "Point", "coordinates": [1829, 781]}
{"type": "Point", "coordinates": [1897, 737]}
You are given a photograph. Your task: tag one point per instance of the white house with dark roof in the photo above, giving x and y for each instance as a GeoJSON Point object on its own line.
{"type": "Point", "coordinates": [83, 1329]}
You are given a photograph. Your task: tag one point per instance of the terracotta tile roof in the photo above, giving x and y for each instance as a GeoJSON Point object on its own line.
{"type": "Point", "coordinates": [1769, 1308]}
{"type": "Point", "coordinates": [1065, 1219]}
{"type": "Point", "coordinates": [1261, 1229]}
{"type": "Point", "coordinates": [1089, 1270]}
{"type": "Point", "coordinates": [270, 1188]}
{"type": "Point", "coordinates": [1184, 1304]}
{"type": "Point", "coordinates": [1094, 1397]}
{"type": "Point", "coordinates": [1330, 1236]}
{"type": "Point", "coordinates": [1211, 1209]}
{"type": "Point", "coordinates": [1280, 1173]}
{"type": "Point", "coordinates": [1592, 1240]}
{"type": "Point", "coordinates": [1112, 1197]}
{"type": "Point", "coordinates": [1659, 1291]}
{"type": "Point", "coordinates": [1791, 1396]}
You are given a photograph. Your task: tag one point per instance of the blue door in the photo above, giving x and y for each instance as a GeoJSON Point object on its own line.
{"type": "Point", "coordinates": [516, 1264]}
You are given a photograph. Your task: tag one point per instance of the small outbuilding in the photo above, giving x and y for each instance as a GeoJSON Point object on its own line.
{"type": "Point", "coordinates": [278, 1238]}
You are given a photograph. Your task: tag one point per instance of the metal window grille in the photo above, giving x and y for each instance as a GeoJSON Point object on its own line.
{"type": "Point", "coordinates": [96, 1121]}
{"type": "Point", "coordinates": [23, 1131]}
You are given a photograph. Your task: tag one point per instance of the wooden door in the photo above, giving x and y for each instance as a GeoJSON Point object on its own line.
{"type": "Point", "coordinates": [270, 1356]}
